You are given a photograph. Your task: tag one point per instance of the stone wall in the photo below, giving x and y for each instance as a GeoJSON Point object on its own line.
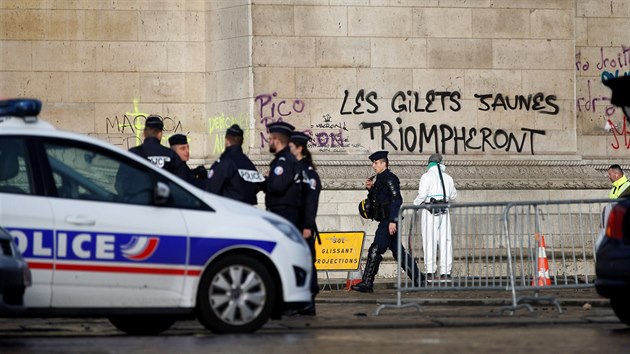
{"type": "Point", "coordinates": [509, 91]}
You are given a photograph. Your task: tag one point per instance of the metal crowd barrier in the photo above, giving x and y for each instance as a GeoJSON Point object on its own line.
{"type": "Point", "coordinates": [499, 247]}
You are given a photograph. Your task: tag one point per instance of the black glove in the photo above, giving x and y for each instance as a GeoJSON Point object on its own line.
{"type": "Point", "coordinates": [200, 172]}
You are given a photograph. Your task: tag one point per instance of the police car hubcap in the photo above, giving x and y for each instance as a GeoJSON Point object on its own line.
{"type": "Point", "coordinates": [237, 294]}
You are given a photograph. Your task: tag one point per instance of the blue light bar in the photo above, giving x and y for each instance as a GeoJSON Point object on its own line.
{"type": "Point", "coordinates": [27, 108]}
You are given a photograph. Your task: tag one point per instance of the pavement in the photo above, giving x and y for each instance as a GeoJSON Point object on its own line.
{"type": "Point", "coordinates": [385, 293]}
{"type": "Point", "coordinates": [338, 308]}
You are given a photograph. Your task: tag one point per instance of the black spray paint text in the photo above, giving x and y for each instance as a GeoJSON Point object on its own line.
{"type": "Point", "coordinates": [440, 101]}
{"type": "Point", "coordinates": [447, 139]}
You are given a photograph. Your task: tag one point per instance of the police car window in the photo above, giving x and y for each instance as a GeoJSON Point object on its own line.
{"type": "Point", "coordinates": [181, 198]}
{"type": "Point", "coordinates": [14, 171]}
{"type": "Point", "coordinates": [89, 174]}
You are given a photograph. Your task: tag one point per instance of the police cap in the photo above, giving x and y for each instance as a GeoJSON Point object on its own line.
{"type": "Point", "coordinates": [154, 121]}
{"type": "Point", "coordinates": [283, 128]}
{"type": "Point", "coordinates": [234, 130]}
{"type": "Point", "coordinates": [435, 158]}
{"type": "Point", "coordinates": [379, 155]}
{"type": "Point", "coordinates": [178, 139]}
{"type": "Point", "coordinates": [299, 138]}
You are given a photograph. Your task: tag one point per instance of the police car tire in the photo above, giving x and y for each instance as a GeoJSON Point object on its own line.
{"type": "Point", "coordinates": [142, 325]}
{"type": "Point", "coordinates": [250, 267]}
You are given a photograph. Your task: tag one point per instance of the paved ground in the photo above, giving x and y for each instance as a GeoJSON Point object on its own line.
{"type": "Point", "coordinates": [342, 309]}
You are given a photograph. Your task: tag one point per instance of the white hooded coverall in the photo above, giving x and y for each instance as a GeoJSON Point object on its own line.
{"type": "Point", "coordinates": [436, 229]}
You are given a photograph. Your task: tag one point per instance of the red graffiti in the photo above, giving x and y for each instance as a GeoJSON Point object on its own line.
{"type": "Point", "coordinates": [617, 134]}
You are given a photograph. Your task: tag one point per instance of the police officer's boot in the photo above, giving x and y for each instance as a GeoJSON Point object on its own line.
{"type": "Point", "coordinates": [310, 309]}
{"type": "Point", "coordinates": [371, 268]}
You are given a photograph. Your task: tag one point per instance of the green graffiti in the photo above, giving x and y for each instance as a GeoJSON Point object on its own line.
{"type": "Point", "coordinates": [217, 126]}
{"type": "Point", "coordinates": [139, 126]}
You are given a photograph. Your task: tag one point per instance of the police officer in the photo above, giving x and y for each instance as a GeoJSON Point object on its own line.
{"type": "Point", "coordinates": [159, 155]}
{"type": "Point", "coordinates": [384, 195]}
{"type": "Point", "coordinates": [282, 187]}
{"type": "Point", "coordinates": [234, 175]}
{"type": "Point", "coordinates": [179, 144]}
{"type": "Point", "coordinates": [311, 187]}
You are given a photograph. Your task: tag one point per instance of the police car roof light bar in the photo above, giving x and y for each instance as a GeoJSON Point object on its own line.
{"type": "Point", "coordinates": [25, 108]}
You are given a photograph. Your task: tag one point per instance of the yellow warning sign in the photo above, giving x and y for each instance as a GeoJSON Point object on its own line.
{"type": "Point", "coordinates": [339, 250]}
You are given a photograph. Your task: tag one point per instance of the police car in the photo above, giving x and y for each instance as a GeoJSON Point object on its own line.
{"type": "Point", "coordinates": [107, 234]}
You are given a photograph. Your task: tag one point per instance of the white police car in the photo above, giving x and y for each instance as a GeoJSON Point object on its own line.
{"type": "Point", "coordinates": [107, 234]}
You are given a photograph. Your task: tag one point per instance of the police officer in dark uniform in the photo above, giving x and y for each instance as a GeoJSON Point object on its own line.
{"type": "Point", "coordinates": [385, 198]}
{"type": "Point", "coordinates": [179, 144]}
{"type": "Point", "coordinates": [159, 155]}
{"type": "Point", "coordinates": [311, 188]}
{"type": "Point", "coordinates": [234, 175]}
{"type": "Point", "coordinates": [283, 185]}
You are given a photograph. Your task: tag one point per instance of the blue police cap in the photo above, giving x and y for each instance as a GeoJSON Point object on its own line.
{"type": "Point", "coordinates": [300, 138]}
{"type": "Point", "coordinates": [154, 121]}
{"type": "Point", "coordinates": [234, 130]}
{"type": "Point", "coordinates": [379, 155]}
{"type": "Point", "coordinates": [178, 139]}
{"type": "Point", "coordinates": [281, 128]}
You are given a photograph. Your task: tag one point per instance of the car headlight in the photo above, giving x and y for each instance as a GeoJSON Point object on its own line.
{"type": "Point", "coordinates": [287, 229]}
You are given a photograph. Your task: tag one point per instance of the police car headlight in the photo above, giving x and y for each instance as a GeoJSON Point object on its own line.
{"type": "Point", "coordinates": [287, 229]}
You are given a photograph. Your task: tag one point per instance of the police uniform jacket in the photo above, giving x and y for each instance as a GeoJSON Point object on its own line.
{"type": "Point", "coordinates": [234, 176]}
{"type": "Point", "coordinates": [161, 156]}
{"type": "Point", "coordinates": [385, 193]}
{"type": "Point", "coordinates": [191, 177]}
{"type": "Point", "coordinates": [311, 187]}
{"type": "Point", "coordinates": [283, 186]}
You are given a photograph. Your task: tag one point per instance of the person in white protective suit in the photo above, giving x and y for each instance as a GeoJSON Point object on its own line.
{"type": "Point", "coordinates": [436, 186]}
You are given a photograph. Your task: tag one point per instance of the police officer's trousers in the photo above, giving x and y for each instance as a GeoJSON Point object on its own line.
{"type": "Point", "coordinates": [384, 241]}
{"type": "Point", "coordinates": [311, 246]}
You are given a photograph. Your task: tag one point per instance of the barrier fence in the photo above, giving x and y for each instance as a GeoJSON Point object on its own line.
{"type": "Point", "coordinates": [511, 246]}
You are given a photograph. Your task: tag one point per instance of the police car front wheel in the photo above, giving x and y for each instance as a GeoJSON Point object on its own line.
{"type": "Point", "coordinates": [235, 295]}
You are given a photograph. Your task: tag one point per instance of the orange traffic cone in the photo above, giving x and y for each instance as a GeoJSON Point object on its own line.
{"type": "Point", "coordinates": [543, 265]}
{"type": "Point", "coordinates": [354, 278]}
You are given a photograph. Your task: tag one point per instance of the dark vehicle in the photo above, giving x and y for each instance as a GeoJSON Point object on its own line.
{"type": "Point", "coordinates": [613, 253]}
{"type": "Point", "coordinates": [15, 275]}
{"type": "Point", "coordinates": [613, 261]}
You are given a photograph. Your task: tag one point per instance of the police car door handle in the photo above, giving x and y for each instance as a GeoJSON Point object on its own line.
{"type": "Point", "coordinates": [81, 220]}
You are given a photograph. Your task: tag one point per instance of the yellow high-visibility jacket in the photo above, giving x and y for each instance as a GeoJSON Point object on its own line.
{"type": "Point", "coordinates": [619, 186]}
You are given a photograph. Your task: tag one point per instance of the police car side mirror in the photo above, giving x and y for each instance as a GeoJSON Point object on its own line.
{"type": "Point", "coordinates": [161, 193]}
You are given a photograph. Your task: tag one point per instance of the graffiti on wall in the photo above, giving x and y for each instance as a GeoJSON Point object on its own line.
{"type": "Point", "coordinates": [217, 126]}
{"type": "Point", "coordinates": [328, 135]}
{"type": "Point", "coordinates": [440, 101]}
{"type": "Point", "coordinates": [126, 130]}
{"type": "Point", "coordinates": [447, 138]}
{"type": "Point", "coordinates": [604, 67]}
{"type": "Point", "coordinates": [619, 134]}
